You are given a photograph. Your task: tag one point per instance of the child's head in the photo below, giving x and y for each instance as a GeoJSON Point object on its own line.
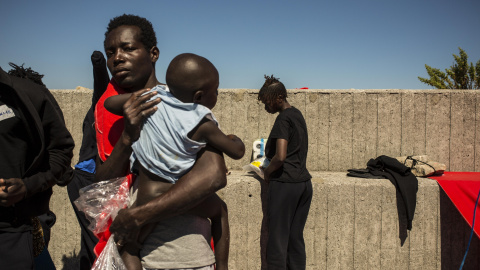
{"type": "Point", "coordinates": [193, 79]}
{"type": "Point", "coordinates": [272, 93]}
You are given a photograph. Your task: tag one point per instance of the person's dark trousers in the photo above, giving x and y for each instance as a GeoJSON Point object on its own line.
{"type": "Point", "coordinates": [16, 250]}
{"type": "Point", "coordinates": [288, 207]}
{"type": "Point", "coordinates": [88, 239]}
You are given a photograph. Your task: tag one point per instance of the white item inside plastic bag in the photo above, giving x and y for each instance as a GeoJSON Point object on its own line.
{"type": "Point", "coordinates": [101, 202]}
{"type": "Point", "coordinates": [259, 148]}
{"type": "Point", "coordinates": [256, 165]}
{"type": "Point", "coordinates": [109, 259]}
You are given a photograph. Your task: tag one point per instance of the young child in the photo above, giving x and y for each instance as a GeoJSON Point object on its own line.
{"type": "Point", "coordinates": [170, 140]}
{"type": "Point", "coordinates": [289, 185]}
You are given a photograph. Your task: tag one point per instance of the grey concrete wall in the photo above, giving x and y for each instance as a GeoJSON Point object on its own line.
{"type": "Point", "coordinates": [346, 127]}
{"type": "Point", "coordinates": [354, 223]}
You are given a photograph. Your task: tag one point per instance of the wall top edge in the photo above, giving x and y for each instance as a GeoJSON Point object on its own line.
{"type": "Point", "coordinates": [373, 91]}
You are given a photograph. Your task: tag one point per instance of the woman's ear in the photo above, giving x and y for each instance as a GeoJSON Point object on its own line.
{"type": "Point", "coordinates": [197, 96]}
{"type": "Point", "coordinates": [279, 99]}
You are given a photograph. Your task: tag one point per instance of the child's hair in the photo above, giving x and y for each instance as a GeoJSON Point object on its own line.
{"type": "Point", "coordinates": [188, 73]}
{"type": "Point", "coordinates": [26, 73]}
{"type": "Point", "coordinates": [147, 34]}
{"type": "Point", "coordinates": [272, 89]}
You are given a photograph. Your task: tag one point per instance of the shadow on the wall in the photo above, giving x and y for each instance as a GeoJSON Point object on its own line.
{"type": "Point", "coordinates": [455, 233]}
{"type": "Point", "coordinates": [71, 261]}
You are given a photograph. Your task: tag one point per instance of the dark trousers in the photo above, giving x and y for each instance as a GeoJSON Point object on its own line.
{"type": "Point", "coordinates": [288, 206]}
{"type": "Point", "coordinates": [16, 250]}
{"type": "Point", "coordinates": [88, 239]}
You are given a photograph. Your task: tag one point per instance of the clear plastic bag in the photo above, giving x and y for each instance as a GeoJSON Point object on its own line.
{"type": "Point", "coordinates": [101, 202]}
{"type": "Point", "coordinates": [257, 165]}
{"type": "Point", "coordinates": [109, 259]}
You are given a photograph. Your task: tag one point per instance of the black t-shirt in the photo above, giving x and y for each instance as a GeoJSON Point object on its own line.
{"type": "Point", "coordinates": [290, 125]}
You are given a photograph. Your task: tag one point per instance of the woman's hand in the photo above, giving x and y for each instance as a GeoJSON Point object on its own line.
{"type": "Point", "coordinates": [266, 175]}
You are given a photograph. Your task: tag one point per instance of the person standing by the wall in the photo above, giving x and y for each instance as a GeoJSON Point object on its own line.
{"type": "Point", "coordinates": [289, 185]}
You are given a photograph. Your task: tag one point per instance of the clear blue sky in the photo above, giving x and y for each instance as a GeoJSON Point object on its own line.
{"type": "Point", "coordinates": [381, 44]}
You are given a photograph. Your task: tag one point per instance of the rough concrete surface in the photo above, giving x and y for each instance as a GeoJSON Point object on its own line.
{"type": "Point", "coordinates": [346, 127]}
{"type": "Point", "coordinates": [353, 223]}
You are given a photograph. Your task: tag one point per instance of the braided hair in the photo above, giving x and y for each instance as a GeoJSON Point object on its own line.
{"type": "Point", "coordinates": [26, 73]}
{"type": "Point", "coordinates": [147, 34]}
{"type": "Point", "coordinates": [272, 89]}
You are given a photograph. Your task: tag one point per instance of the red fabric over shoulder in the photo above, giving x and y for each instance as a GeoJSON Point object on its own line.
{"type": "Point", "coordinates": [108, 126]}
{"type": "Point", "coordinates": [108, 129]}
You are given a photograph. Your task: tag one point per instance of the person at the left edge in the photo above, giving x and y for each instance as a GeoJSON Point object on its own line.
{"type": "Point", "coordinates": [36, 152]}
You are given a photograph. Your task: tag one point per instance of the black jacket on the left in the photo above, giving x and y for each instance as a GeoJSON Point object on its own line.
{"type": "Point", "coordinates": [53, 151]}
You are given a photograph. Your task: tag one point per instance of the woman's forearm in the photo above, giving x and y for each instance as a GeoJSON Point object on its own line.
{"type": "Point", "coordinates": [274, 165]}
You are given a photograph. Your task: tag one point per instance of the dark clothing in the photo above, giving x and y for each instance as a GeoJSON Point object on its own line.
{"type": "Point", "coordinates": [38, 150]}
{"type": "Point", "coordinates": [50, 150]}
{"type": "Point", "coordinates": [13, 138]}
{"type": "Point", "coordinates": [290, 125]}
{"type": "Point", "coordinates": [403, 179]}
{"type": "Point", "coordinates": [80, 180]}
{"type": "Point", "coordinates": [88, 240]}
{"type": "Point", "coordinates": [17, 247]}
{"type": "Point", "coordinates": [47, 221]}
{"type": "Point", "coordinates": [88, 151]}
{"type": "Point", "coordinates": [289, 193]}
{"type": "Point", "coordinates": [286, 218]}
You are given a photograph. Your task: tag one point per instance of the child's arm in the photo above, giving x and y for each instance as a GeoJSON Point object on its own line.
{"type": "Point", "coordinates": [231, 145]}
{"type": "Point", "coordinates": [114, 104]}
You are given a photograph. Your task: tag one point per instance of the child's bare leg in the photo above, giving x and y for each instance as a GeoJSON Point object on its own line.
{"type": "Point", "coordinates": [216, 209]}
{"type": "Point", "coordinates": [221, 238]}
